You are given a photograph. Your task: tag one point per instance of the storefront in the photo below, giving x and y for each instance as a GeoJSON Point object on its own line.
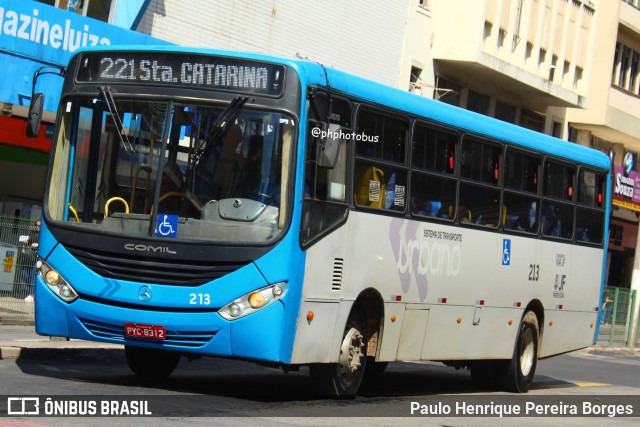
{"type": "Point", "coordinates": [624, 224]}
{"type": "Point", "coordinates": [35, 35]}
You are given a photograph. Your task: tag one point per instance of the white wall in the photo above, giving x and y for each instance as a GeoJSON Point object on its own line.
{"type": "Point", "coordinates": [365, 38]}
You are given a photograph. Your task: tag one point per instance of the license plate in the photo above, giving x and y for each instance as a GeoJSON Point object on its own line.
{"type": "Point", "coordinates": [137, 330]}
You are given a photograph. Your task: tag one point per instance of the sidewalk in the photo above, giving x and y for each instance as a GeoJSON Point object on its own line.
{"type": "Point", "coordinates": [20, 341]}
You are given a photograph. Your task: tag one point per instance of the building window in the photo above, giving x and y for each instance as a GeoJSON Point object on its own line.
{"type": "Point", "coordinates": [626, 68]}
{"type": "Point", "coordinates": [478, 102]}
{"type": "Point", "coordinates": [633, 72]}
{"type": "Point", "coordinates": [414, 79]}
{"type": "Point", "coordinates": [97, 9]}
{"type": "Point", "coordinates": [447, 91]}
{"type": "Point", "coordinates": [532, 120]}
{"type": "Point", "coordinates": [505, 112]}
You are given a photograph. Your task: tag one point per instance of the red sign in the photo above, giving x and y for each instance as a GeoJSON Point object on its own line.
{"type": "Point", "coordinates": [13, 131]}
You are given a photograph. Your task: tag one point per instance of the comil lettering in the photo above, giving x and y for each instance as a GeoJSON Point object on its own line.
{"type": "Point", "coordinates": [41, 31]}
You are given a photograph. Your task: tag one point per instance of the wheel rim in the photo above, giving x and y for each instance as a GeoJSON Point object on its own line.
{"type": "Point", "coordinates": [351, 354]}
{"type": "Point", "coordinates": [527, 355]}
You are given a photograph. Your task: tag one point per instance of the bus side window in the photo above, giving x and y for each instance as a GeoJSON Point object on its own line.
{"type": "Point", "coordinates": [380, 172]}
{"type": "Point", "coordinates": [325, 185]}
{"type": "Point", "coordinates": [559, 180]}
{"type": "Point", "coordinates": [557, 216]}
{"type": "Point", "coordinates": [590, 212]}
{"type": "Point", "coordinates": [433, 185]}
{"type": "Point", "coordinates": [521, 200]}
{"type": "Point", "coordinates": [479, 190]}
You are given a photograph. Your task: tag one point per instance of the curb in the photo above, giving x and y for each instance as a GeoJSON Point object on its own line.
{"type": "Point", "coordinates": [57, 349]}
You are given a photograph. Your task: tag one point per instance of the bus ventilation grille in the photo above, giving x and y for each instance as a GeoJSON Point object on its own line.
{"type": "Point", "coordinates": [338, 266]}
{"type": "Point", "coordinates": [178, 338]}
{"type": "Point", "coordinates": [150, 270]}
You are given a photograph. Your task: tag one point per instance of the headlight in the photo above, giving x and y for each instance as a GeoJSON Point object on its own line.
{"type": "Point", "coordinates": [56, 282]}
{"type": "Point", "coordinates": [253, 301]}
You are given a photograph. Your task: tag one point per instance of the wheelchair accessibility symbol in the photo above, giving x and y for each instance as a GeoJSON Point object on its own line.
{"type": "Point", "coordinates": [506, 252]}
{"type": "Point", "coordinates": [167, 225]}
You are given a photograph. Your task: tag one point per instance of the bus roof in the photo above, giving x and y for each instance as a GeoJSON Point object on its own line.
{"type": "Point", "coordinates": [313, 73]}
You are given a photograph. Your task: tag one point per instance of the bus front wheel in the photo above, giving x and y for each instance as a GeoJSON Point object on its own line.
{"type": "Point", "coordinates": [516, 375]}
{"type": "Point", "coordinates": [151, 363]}
{"type": "Point", "coordinates": [343, 379]}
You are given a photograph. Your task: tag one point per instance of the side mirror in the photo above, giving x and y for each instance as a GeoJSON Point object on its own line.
{"type": "Point", "coordinates": [35, 115]}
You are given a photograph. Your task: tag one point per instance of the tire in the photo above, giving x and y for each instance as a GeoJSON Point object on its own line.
{"type": "Point", "coordinates": [151, 363]}
{"type": "Point", "coordinates": [343, 379]}
{"type": "Point", "coordinates": [516, 375]}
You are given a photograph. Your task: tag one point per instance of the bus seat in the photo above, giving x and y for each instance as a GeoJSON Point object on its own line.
{"type": "Point", "coordinates": [465, 215]}
{"type": "Point", "coordinates": [432, 208]}
{"type": "Point", "coordinates": [551, 225]}
{"type": "Point", "coordinates": [365, 192]}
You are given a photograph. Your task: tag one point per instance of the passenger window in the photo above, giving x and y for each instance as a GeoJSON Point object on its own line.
{"type": "Point", "coordinates": [380, 137]}
{"type": "Point", "coordinates": [325, 183]}
{"type": "Point", "coordinates": [521, 212]}
{"type": "Point", "coordinates": [380, 175]}
{"type": "Point", "coordinates": [479, 201]}
{"type": "Point", "coordinates": [380, 186]}
{"type": "Point", "coordinates": [433, 185]}
{"type": "Point", "coordinates": [559, 180]}
{"type": "Point", "coordinates": [590, 215]}
{"type": "Point", "coordinates": [479, 205]}
{"type": "Point", "coordinates": [433, 196]}
{"type": "Point", "coordinates": [591, 189]}
{"type": "Point", "coordinates": [434, 149]}
{"type": "Point", "coordinates": [521, 206]}
{"type": "Point", "coordinates": [521, 171]}
{"type": "Point", "coordinates": [480, 161]}
{"type": "Point", "coordinates": [557, 219]}
{"type": "Point", "coordinates": [589, 225]}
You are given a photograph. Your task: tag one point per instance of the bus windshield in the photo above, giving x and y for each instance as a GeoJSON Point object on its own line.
{"type": "Point", "coordinates": [211, 172]}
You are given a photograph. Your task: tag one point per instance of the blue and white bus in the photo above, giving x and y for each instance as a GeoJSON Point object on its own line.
{"type": "Point", "coordinates": [204, 202]}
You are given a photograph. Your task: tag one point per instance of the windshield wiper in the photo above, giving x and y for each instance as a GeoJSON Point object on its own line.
{"type": "Point", "coordinates": [228, 115]}
{"type": "Point", "coordinates": [111, 105]}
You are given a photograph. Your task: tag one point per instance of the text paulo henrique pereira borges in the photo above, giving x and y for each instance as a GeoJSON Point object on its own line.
{"type": "Point", "coordinates": [528, 408]}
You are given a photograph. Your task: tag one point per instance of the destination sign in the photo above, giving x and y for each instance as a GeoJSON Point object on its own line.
{"type": "Point", "coordinates": [182, 70]}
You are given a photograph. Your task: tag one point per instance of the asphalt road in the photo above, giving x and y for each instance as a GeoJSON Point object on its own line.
{"type": "Point", "coordinates": [225, 392]}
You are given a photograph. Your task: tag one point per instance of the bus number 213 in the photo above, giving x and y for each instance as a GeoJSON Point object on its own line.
{"type": "Point", "coordinates": [534, 272]}
{"type": "Point", "coordinates": [199, 299]}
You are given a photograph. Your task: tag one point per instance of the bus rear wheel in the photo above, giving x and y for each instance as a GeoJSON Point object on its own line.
{"type": "Point", "coordinates": [516, 375]}
{"type": "Point", "coordinates": [151, 363]}
{"type": "Point", "coordinates": [343, 379]}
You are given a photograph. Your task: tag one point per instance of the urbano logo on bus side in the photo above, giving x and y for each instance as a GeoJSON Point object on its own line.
{"type": "Point", "coordinates": [422, 251]}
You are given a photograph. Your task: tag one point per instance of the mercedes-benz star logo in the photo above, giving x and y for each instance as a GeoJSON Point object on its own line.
{"type": "Point", "coordinates": [144, 293]}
